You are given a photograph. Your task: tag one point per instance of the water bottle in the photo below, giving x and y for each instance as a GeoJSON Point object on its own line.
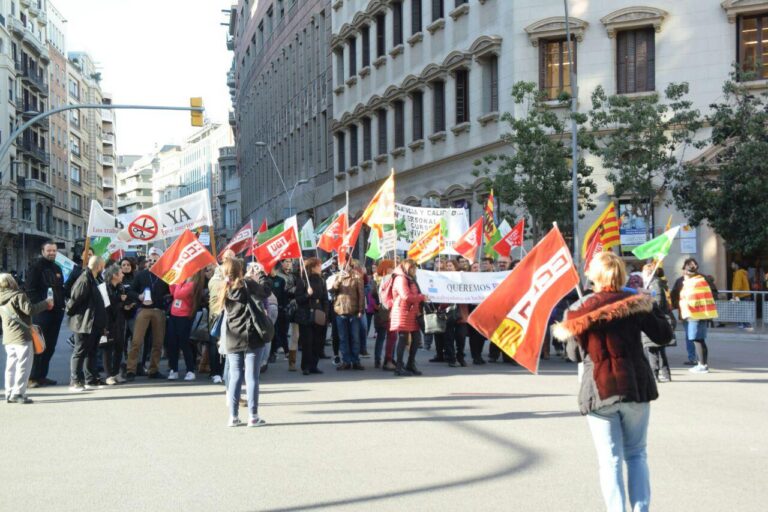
{"type": "Point", "coordinates": [50, 294]}
{"type": "Point", "coordinates": [147, 296]}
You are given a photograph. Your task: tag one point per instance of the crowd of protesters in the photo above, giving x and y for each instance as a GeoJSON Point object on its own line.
{"type": "Point", "coordinates": [124, 318]}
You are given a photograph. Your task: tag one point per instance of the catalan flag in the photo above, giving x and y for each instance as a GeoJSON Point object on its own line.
{"type": "Point", "coordinates": [428, 245]}
{"type": "Point", "coordinates": [491, 234]}
{"type": "Point", "coordinates": [609, 235]}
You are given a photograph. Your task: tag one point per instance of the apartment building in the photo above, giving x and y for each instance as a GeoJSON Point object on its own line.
{"type": "Point", "coordinates": [229, 197]}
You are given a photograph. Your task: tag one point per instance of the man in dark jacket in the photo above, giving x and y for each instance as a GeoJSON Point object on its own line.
{"type": "Point", "coordinates": [88, 320]}
{"type": "Point", "coordinates": [153, 292]}
{"type": "Point", "coordinates": [282, 280]}
{"type": "Point", "coordinates": [45, 274]}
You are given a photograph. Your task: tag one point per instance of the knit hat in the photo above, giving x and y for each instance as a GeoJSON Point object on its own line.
{"type": "Point", "coordinates": [155, 252]}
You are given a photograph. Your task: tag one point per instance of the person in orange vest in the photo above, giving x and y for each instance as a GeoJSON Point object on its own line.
{"type": "Point", "coordinates": [697, 307]}
{"type": "Point", "coordinates": [741, 289]}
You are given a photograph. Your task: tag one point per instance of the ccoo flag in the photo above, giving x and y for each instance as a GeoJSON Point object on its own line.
{"type": "Point", "coordinates": [468, 243]}
{"type": "Point", "coordinates": [241, 241]}
{"type": "Point", "coordinates": [516, 314]}
{"type": "Point", "coordinates": [513, 238]}
{"type": "Point", "coordinates": [185, 257]}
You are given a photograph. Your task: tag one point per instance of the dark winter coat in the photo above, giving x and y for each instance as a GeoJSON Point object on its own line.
{"type": "Point", "coordinates": [86, 309]}
{"type": "Point", "coordinates": [116, 313]}
{"type": "Point", "coordinates": [305, 303]}
{"type": "Point", "coordinates": [604, 331]}
{"type": "Point", "coordinates": [44, 274]}
{"type": "Point", "coordinates": [241, 332]}
{"type": "Point", "coordinates": [158, 288]}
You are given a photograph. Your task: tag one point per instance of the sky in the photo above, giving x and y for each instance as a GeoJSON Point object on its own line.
{"type": "Point", "coordinates": [154, 52]}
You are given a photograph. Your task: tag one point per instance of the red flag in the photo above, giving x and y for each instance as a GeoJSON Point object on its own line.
{"type": "Point", "coordinates": [241, 241]}
{"type": "Point", "coordinates": [183, 259]}
{"type": "Point", "coordinates": [283, 246]}
{"type": "Point", "coordinates": [255, 242]}
{"type": "Point", "coordinates": [516, 314]}
{"type": "Point", "coordinates": [333, 236]}
{"type": "Point", "coordinates": [595, 247]}
{"type": "Point", "coordinates": [512, 239]}
{"type": "Point", "coordinates": [349, 241]}
{"type": "Point", "coordinates": [468, 243]}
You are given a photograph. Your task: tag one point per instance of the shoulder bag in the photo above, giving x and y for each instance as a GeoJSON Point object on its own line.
{"type": "Point", "coordinates": [435, 321]}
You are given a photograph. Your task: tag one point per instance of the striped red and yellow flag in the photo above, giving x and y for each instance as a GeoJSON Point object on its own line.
{"type": "Point", "coordinates": [489, 225]}
{"type": "Point", "coordinates": [609, 235]}
{"type": "Point", "coordinates": [428, 245]}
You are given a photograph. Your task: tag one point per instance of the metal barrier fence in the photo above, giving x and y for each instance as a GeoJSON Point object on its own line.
{"type": "Point", "coordinates": [742, 311]}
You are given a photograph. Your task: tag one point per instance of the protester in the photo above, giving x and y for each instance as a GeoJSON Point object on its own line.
{"type": "Point", "coordinates": [151, 315]}
{"type": "Point", "coordinates": [455, 336]}
{"type": "Point", "coordinates": [657, 354]}
{"type": "Point", "coordinates": [282, 282]}
{"type": "Point", "coordinates": [215, 285]}
{"type": "Point", "coordinates": [88, 320]}
{"type": "Point", "coordinates": [187, 298]}
{"type": "Point", "coordinates": [697, 307]}
{"type": "Point", "coordinates": [45, 276]}
{"type": "Point", "coordinates": [115, 346]}
{"type": "Point", "coordinates": [349, 306]}
{"type": "Point", "coordinates": [604, 331]}
{"type": "Point", "coordinates": [244, 345]}
{"type": "Point", "coordinates": [385, 338]}
{"type": "Point", "coordinates": [403, 320]}
{"type": "Point", "coordinates": [295, 277]}
{"type": "Point", "coordinates": [311, 315]}
{"type": "Point", "coordinates": [16, 312]}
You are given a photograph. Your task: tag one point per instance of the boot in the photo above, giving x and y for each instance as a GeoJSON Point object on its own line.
{"type": "Point", "coordinates": [400, 350]}
{"type": "Point", "coordinates": [205, 364]}
{"type": "Point", "coordinates": [291, 360]}
{"type": "Point", "coordinates": [411, 366]}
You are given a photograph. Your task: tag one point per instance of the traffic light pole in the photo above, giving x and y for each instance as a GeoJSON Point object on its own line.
{"type": "Point", "coordinates": [42, 115]}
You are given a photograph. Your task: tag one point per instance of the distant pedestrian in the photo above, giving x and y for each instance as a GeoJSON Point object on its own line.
{"type": "Point", "coordinates": [657, 354]}
{"type": "Point", "coordinates": [697, 308]}
{"type": "Point", "coordinates": [16, 312]}
{"type": "Point", "coordinates": [741, 288]}
{"type": "Point", "coordinates": [603, 330]}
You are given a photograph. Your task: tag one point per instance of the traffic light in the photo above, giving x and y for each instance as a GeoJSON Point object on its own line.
{"type": "Point", "coordinates": [197, 115]}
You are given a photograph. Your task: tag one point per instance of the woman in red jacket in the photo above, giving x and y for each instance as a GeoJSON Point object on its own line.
{"type": "Point", "coordinates": [406, 308]}
{"type": "Point", "coordinates": [604, 331]}
{"type": "Point", "coordinates": [187, 297]}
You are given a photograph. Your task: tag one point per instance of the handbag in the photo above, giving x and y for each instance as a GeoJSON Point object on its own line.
{"type": "Point", "coordinates": [319, 317]}
{"type": "Point", "coordinates": [260, 319]}
{"type": "Point", "coordinates": [435, 321]}
{"type": "Point", "coordinates": [216, 327]}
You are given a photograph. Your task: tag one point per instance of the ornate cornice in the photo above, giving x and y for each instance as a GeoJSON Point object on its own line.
{"type": "Point", "coordinates": [633, 17]}
{"type": "Point", "coordinates": [735, 8]}
{"type": "Point", "coordinates": [550, 28]}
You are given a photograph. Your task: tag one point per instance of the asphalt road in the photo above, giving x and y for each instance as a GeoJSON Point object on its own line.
{"type": "Point", "coordinates": [476, 438]}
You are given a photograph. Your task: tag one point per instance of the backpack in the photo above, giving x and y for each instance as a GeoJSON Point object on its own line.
{"type": "Point", "coordinates": [386, 292]}
{"type": "Point", "coordinates": [260, 318]}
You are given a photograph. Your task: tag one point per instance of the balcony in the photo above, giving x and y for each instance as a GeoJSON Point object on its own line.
{"type": "Point", "coordinates": [31, 148]}
{"type": "Point", "coordinates": [16, 26]}
{"type": "Point", "coordinates": [42, 17]}
{"type": "Point", "coordinates": [34, 78]}
{"type": "Point", "coordinates": [231, 79]}
{"type": "Point", "coordinates": [108, 182]}
{"type": "Point", "coordinates": [108, 160]}
{"type": "Point", "coordinates": [231, 44]}
{"type": "Point", "coordinates": [106, 116]}
{"type": "Point", "coordinates": [34, 43]}
{"type": "Point", "coordinates": [108, 138]}
{"type": "Point", "coordinates": [36, 186]}
{"type": "Point", "coordinates": [232, 121]}
{"type": "Point", "coordinates": [26, 3]}
{"type": "Point", "coordinates": [109, 204]}
{"type": "Point", "coordinates": [34, 11]}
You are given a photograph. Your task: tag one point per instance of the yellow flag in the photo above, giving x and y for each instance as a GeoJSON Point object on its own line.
{"type": "Point", "coordinates": [428, 245]}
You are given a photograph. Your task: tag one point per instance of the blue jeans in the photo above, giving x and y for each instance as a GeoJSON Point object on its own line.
{"type": "Point", "coordinates": [689, 346]}
{"type": "Point", "coordinates": [363, 334]}
{"type": "Point", "coordinates": [244, 365]}
{"type": "Point", "coordinates": [349, 338]}
{"type": "Point", "coordinates": [620, 434]}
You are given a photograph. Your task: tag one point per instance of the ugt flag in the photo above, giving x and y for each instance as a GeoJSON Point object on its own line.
{"type": "Point", "coordinates": [241, 241]}
{"type": "Point", "coordinates": [515, 315]}
{"type": "Point", "coordinates": [185, 257]}
{"type": "Point", "coordinates": [283, 246]}
{"type": "Point", "coordinates": [468, 244]}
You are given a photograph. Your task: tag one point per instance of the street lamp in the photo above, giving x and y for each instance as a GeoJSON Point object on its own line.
{"type": "Point", "coordinates": [280, 175]}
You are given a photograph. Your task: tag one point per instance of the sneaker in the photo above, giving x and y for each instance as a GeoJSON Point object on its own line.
{"type": "Point", "coordinates": [337, 360]}
{"type": "Point", "coordinates": [111, 381]}
{"type": "Point", "coordinates": [34, 384]}
{"type": "Point", "coordinates": [189, 376]}
{"type": "Point", "coordinates": [234, 422]}
{"type": "Point", "coordinates": [663, 378]}
{"type": "Point", "coordinates": [19, 399]}
{"type": "Point", "coordinates": [172, 375]}
{"type": "Point", "coordinates": [699, 368]}
{"type": "Point", "coordinates": [76, 387]}
{"type": "Point", "coordinates": [217, 379]}
{"type": "Point", "coordinates": [256, 422]}
{"type": "Point", "coordinates": [690, 363]}
{"type": "Point", "coordinates": [120, 379]}
{"type": "Point", "coordinates": [93, 385]}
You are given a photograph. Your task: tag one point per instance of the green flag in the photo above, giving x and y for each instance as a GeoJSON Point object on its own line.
{"type": "Point", "coordinates": [374, 251]}
{"type": "Point", "coordinates": [99, 245]}
{"type": "Point", "coordinates": [270, 233]}
{"type": "Point", "coordinates": [658, 247]}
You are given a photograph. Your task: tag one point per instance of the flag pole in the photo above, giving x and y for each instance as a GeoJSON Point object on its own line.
{"type": "Point", "coordinates": [213, 239]}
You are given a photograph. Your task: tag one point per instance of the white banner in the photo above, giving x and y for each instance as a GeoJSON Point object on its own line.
{"type": "Point", "coordinates": [458, 287]}
{"type": "Point", "coordinates": [100, 223]}
{"type": "Point", "coordinates": [307, 236]}
{"type": "Point", "coordinates": [167, 220]}
{"type": "Point", "coordinates": [413, 221]}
